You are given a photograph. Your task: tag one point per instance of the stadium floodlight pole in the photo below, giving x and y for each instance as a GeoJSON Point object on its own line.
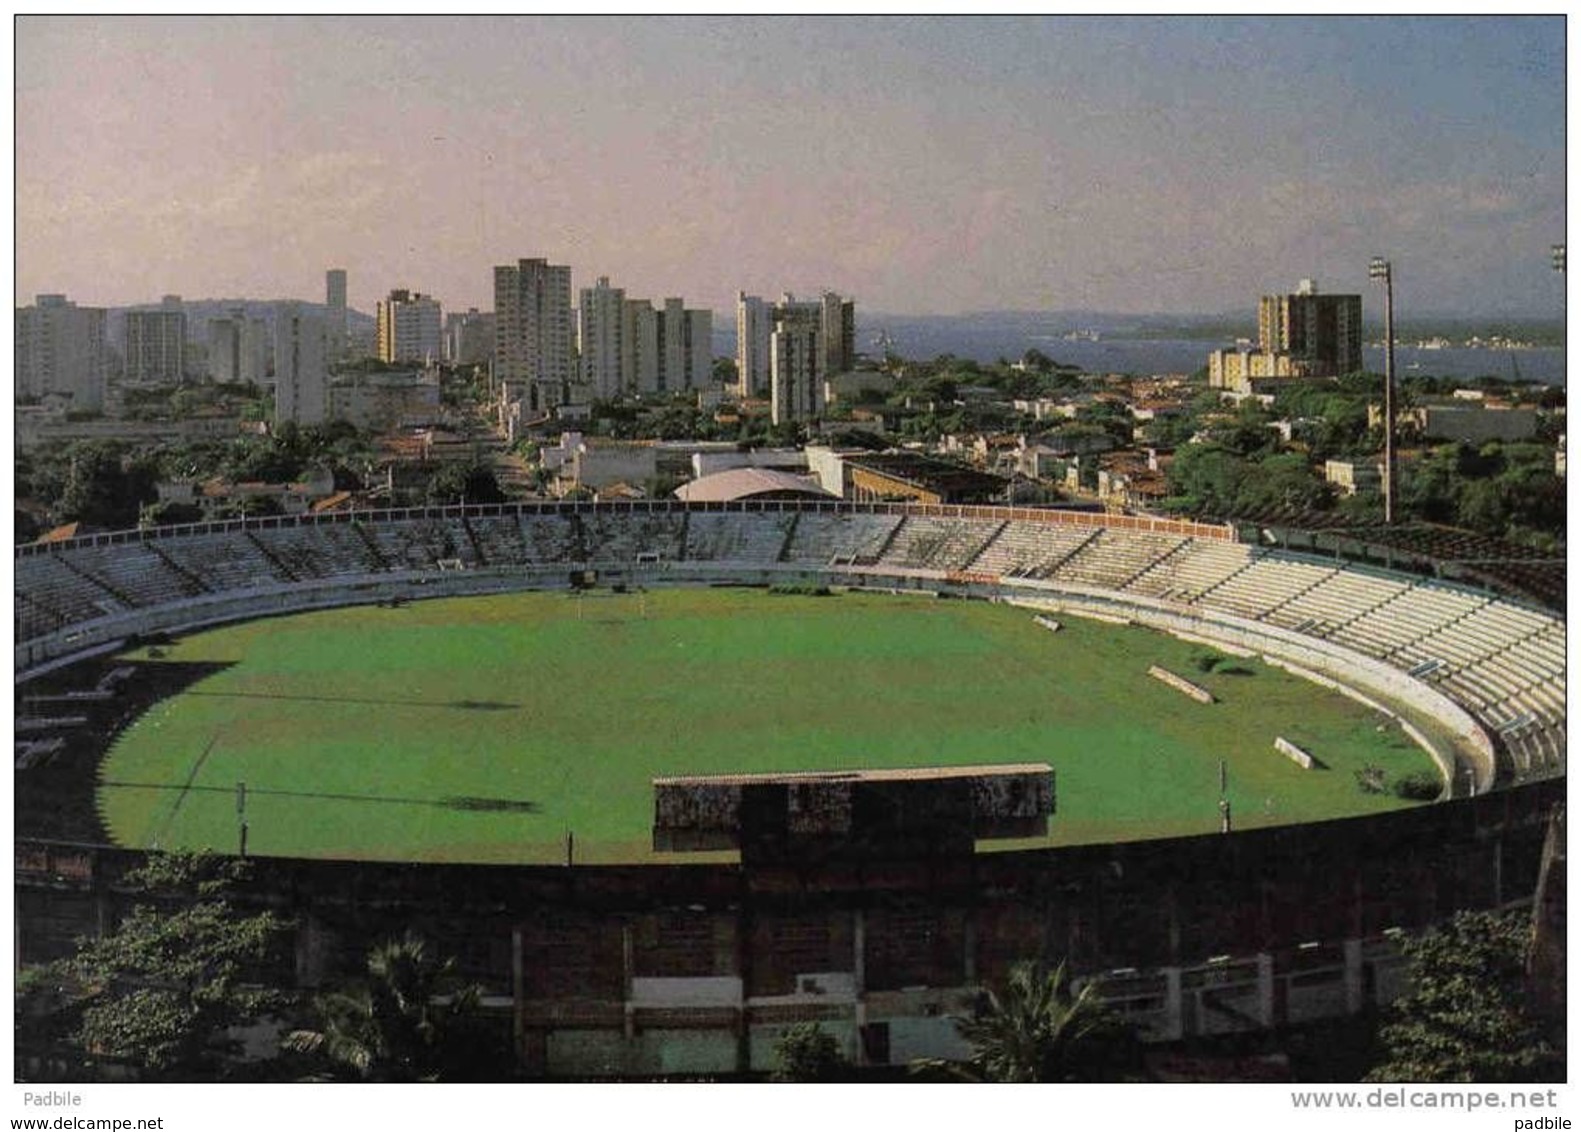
{"type": "Point", "coordinates": [1558, 252]}
{"type": "Point", "coordinates": [1381, 270]}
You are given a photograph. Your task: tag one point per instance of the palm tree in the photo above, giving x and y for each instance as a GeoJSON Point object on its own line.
{"type": "Point", "coordinates": [1034, 1029]}
{"type": "Point", "coordinates": [393, 1026]}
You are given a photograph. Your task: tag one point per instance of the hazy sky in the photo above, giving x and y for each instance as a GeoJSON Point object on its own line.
{"type": "Point", "coordinates": [921, 165]}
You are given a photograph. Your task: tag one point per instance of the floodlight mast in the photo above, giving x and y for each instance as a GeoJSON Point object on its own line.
{"type": "Point", "coordinates": [1379, 269]}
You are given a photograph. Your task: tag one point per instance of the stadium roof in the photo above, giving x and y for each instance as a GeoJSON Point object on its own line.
{"type": "Point", "coordinates": [952, 481]}
{"type": "Point", "coordinates": [750, 483]}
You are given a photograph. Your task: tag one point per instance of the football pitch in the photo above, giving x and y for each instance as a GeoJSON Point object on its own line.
{"type": "Point", "coordinates": [488, 729]}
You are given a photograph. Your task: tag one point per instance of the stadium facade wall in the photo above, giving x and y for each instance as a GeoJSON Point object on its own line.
{"type": "Point", "coordinates": [687, 969]}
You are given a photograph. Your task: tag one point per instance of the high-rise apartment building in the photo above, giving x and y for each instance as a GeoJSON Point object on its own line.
{"type": "Point", "coordinates": [685, 347]}
{"type": "Point", "coordinates": [238, 349]}
{"type": "Point", "coordinates": [301, 375]}
{"type": "Point", "coordinates": [627, 346]}
{"type": "Point", "coordinates": [61, 350]}
{"type": "Point", "coordinates": [602, 340]}
{"type": "Point", "coordinates": [641, 330]}
{"type": "Point", "coordinates": [754, 324]}
{"type": "Point", "coordinates": [154, 344]}
{"type": "Point", "coordinates": [838, 323]}
{"type": "Point", "coordinates": [408, 327]}
{"type": "Point", "coordinates": [1321, 333]}
{"type": "Point", "coordinates": [532, 332]}
{"type": "Point", "coordinates": [757, 322]}
{"type": "Point", "coordinates": [797, 360]}
{"type": "Point", "coordinates": [469, 337]}
{"type": "Point", "coordinates": [335, 313]}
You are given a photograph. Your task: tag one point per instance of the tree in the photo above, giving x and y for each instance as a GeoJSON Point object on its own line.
{"type": "Point", "coordinates": [103, 490]}
{"type": "Point", "coordinates": [457, 483]}
{"type": "Point", "coordinates": [407, 1021]}
{"type": "Point", "coordinates": [1465, 1017]}
{"type": "Point", "coordinates": [808, 1053]}
{"type": "Point", "coordinates": [1034, 1029]}
{"type": "Point", "coordinates": [164, 993]}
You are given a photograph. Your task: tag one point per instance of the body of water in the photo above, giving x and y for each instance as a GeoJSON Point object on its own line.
{"type": "Point", "coordinates": [1187, 355]}
{"type": "Point", "coordinates": [988, 341]}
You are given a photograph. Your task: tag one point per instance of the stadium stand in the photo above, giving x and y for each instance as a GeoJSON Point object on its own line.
{"type": "Point", "coordinates": [1113, 559]}
{"type": "Point", "coordinates": [1267, 583]}
{"type": "Point", "coordinates": [1029, 550]}
{"type": "Point", "coordinates": [824, 537]}
{"type": "Point", "coordinates": [618, 539]}
{"type": "Point", "coordinates": [927, 543]}
{"type": "Point", "coordinates": [722, 537]}
{"type": "Point", "coordinates": [223, 562]}
{"type": "Point", "coordinates": [135, 573]}
{"type": "Point", "coordinates": [323, 550]}
{"type": "Point", "coordinates": [1184, 576]}
{"type": "Point", "coordinates": [1501, 660]}
{"type": "Point", "coordinates": [498, 539]}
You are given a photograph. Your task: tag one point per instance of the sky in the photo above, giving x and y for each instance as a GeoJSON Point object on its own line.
{"type": "Point", "coordinates": [920, 165]}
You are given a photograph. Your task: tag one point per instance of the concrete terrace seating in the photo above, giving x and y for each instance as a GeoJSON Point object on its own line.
{"type": "Point", "coordinates": [135, 572]}
{"type": "Point", "coordinates": [1265, 585]}
{"type": "Point", "coordinates": [927, 543]}
{"type": "Point", "coordinates": [551, 538]}
{"type": "Point", "coordinates": [499, 537]}
{"type": "Point", "coordinates": [758, 538]}
{"type": "Point", "coordinates": [1409, 616]}
{"type": "Point", "coordinates": [1338, 600]}
{"type": "Point", "coordinates": [619, 537]}
{"type": "Point", "coordinates": [1187, 574]}
{"type": "Point", "coordinates": [54, 588]}
{"type": "Point", "coordinates": [420, 543]}
{"type": "Point", "coordinates": [226, 561]}
{"type": "Point", "coordinates": [1025, 549]}
{"type": "Point", "coordinates": [1113, 559]}
{"type": "Point", "coordinates": [1486, 635]}
{"type": "Point", "coordinates": [1503, 662]}
{"type": "Point", "coordinates": [821, 537]}
{"type": "Point", "coordinates": [331, 550]}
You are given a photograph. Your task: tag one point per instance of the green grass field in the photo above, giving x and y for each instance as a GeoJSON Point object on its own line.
{"type": "Point", "coordinates": [484, 729]}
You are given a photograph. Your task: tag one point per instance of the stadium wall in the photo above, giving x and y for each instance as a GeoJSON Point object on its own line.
{"type": "Point", "coordinates": [685, 969]}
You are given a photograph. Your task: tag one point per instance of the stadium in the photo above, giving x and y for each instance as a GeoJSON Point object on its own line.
{"type": "Point", "coordinates": [647, 641]}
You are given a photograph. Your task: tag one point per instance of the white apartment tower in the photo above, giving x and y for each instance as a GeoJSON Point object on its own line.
{"type": "Point", "coordinates": [155, 344]}
{"type": "Point", "coordinates": [796, 362]}
{"type": "Point", "coordinates": [757, 322]}
{"type": "Point", "coordinates": [409, 327]}
{"type": "Point", "coordinates": [603, 344]}
{"type": "Point", "coordinates": [238, 349]}
{"type": "Point", "coordinates": [754, 324]}
{"type": "Point", "coordinates": [300, 373]}
{"type": "Point", "coordinates": [61, 349]}
{"type": "Point", "coordinates": [532, 332]}
{"type": "Point", "coordinates": [335, 313]}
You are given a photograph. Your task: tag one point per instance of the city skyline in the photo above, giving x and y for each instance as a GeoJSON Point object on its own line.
{"type": "Point", "coordinates": [922, 165]}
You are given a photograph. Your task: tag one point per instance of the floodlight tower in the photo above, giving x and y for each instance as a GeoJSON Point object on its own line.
{"type": "Point", "coordinates": [1558, 251]}
{"type": "Point", "coordinates": [1380, 270]}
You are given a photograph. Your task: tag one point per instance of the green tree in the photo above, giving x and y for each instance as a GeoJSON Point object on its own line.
{"type": "Point", "coordinates": [104, 487]}
{"type": "Point", "coordinates": [1034, 1029]}
{"type": "Point", "coordinates": [162, 994]}
{"type": "Point", "coordinates": [1465, 1017]}
{"type": "Point", "coordinates": [464, 483]}
{"type": "Point", "coordinates": [808, 1053]}
{"type": "Point", "coordinates": [407, 1021]}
